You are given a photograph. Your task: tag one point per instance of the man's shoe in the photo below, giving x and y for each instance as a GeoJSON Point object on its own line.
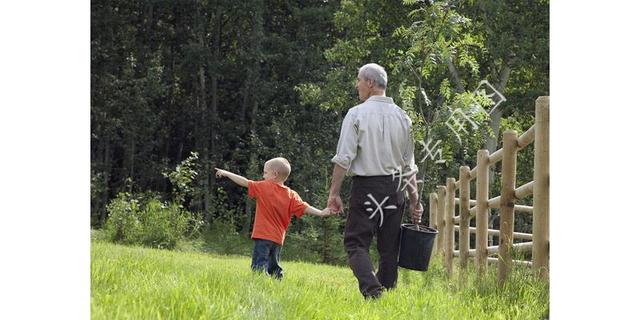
{"type": "Point", "coordinates": [373, 296]}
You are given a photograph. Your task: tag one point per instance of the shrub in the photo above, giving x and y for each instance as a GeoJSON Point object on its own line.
{"type": "Point", "coordinates": [123, 223]}
{"type": "Point", "coordinates": [144, 219]}
{"type": "Point", "coordinates": [156, 224]}
{"type": "Point", "coordinates": [182, 177]}
{"type": "Point", "coordinates": [163, 224]}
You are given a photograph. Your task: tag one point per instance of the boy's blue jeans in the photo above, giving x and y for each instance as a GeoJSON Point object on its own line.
{"type": "Point", "coordinates": [266, 255]}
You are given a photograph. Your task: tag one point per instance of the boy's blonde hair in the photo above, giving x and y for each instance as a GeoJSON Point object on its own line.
{"type": "Point", "coordinates": [281, 166]}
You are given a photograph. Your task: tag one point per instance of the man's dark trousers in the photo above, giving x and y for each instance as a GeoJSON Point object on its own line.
{"type": "Point", "coordinates": [360, 229]}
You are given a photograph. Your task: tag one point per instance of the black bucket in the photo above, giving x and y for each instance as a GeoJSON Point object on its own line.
{"type": "Point", "coordinates": [416, 242]}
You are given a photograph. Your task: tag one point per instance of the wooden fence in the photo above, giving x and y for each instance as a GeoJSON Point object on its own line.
{"type": "Point", "coordinates": [443, 202]}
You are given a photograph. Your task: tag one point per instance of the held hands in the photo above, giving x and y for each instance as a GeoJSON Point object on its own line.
{"type": "Point", "coordinates": [334, 203]}
{"type": "Point", "coordinates": [326, 212]}
{"type": "Point", "coordinates": [416, 212]}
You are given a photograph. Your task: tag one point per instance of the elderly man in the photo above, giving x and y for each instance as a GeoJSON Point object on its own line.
{"type": "Point", "coordinates": [376, 148]}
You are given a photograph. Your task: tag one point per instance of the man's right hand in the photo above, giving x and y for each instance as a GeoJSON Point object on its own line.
{"type": "Point", "coordinates": [335, 203]}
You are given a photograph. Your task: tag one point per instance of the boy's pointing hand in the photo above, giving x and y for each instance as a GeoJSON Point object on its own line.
{"type": "Point", "coordinates": [220, 173]}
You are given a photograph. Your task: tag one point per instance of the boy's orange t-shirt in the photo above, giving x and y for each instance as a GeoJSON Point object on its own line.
{"type": "Point", "coordinates": [275, 204]}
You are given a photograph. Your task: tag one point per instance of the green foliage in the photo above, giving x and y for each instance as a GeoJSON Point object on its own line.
{"type": "Point", "coordinates": [222, 207]}
{"type": "Point", "coordinates": [150, 222]}
{"type": "Point", "coordinates": [309, 93]}
{"type": "Point", "coordinates": [204, 76]}
{"type": "Point", "coordinates": [182, 177]}
{"type": "Point", "coordinates": [436, 53]}
{"type": "Point", "coordinates": [407, 94]}
{"type": "Point", "coordinates": [99, 190]}
{"type": "Point", "coordinates": [440, 36]}
{"type": "Point", "coordinates": [124, 224]}
{"type": "Point", "coordinates": [163, 224]}
{"type": "Point", "coordinates": [143, 218]}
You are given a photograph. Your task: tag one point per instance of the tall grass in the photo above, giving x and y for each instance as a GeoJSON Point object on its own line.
{"type": "Point", "coordinates": [143, 283]}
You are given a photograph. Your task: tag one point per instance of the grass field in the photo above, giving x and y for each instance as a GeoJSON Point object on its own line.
{"type": "Point", "coordinates": [142, 283]}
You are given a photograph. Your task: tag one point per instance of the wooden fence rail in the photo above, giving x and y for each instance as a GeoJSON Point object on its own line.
{"type": "Point", "coordinates": [442, 205]}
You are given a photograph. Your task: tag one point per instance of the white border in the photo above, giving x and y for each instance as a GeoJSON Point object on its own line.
{"type": "Point", "coordinates": [594, 174]}
{"type": "Point", "coordinates": [44, 164]}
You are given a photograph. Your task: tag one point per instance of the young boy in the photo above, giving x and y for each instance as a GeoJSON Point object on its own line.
{"type": "Point", "coordinates": [275, 204]}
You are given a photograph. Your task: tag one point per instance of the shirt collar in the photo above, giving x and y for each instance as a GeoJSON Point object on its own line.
{"type": "Point", "coordinates": [380, 99]}
{"type": "Point", "coordinates": [275, 183]}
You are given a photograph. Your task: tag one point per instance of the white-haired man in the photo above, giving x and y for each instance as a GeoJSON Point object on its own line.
{"type": "Point", "coordinates": [376, 148]}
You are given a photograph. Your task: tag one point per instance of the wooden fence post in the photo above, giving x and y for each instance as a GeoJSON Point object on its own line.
{"type": "Point", "coordinates": [433, 209]}
{"type": "Point", "coordinates": [440, 220]}
{"type": "Point", "coordinates": [507, 203]}
{"type": "Point", "coordinates": [450, 208]}
{"type": "Point", "coordinates": [482, 209]}
{"type": "Point", "coordinates": [540, 255]}
{"type": "Point", "coordinates": [464, 215]}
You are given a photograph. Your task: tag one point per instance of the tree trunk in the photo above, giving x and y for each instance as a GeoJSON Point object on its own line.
{"type": "Point", "coordinates": [255, 46]}
{"type": "Point", "coordinates": [179, 112]}
{"type": "Point", "coordinates": [106, 160]}
{"type": "Point", "coordinates": [454, 74]}
{"type": "Point", "coordinates": [211, 156]}
{"type": "Point", "coordinates": [132, 150]}
{"type": "Point", "coordinates": [492, 142]}
{"type": "Point", "coordinates": [202, 135]}
{"type": "Point", "coordinates": [253, 161]}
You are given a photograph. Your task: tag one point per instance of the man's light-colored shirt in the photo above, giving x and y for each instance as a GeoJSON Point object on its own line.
{"type": "Point", "coordinates": [375, 140]}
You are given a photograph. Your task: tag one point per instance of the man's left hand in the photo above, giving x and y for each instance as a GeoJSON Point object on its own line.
{"type": "Point", "coordinates": [416, 212]}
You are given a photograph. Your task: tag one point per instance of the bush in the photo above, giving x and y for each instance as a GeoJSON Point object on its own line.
{"type": "Point", "coordinates": [182, 177]}
{"type": "Point", "coordinates": [163, 224]}
{"type": "Point", "coordinates": [123, 223]}
{"type": "Point", "coordinates": [156, 224]}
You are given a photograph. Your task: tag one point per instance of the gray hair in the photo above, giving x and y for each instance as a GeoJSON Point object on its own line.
{"type": "Point", "coordinates": [375, 72]}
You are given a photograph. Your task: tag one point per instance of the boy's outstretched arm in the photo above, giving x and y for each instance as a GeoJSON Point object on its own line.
{"type": "Point", "coordinates": [317, 212]}
{"type": "Point", "coordinates": [239, 180]}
